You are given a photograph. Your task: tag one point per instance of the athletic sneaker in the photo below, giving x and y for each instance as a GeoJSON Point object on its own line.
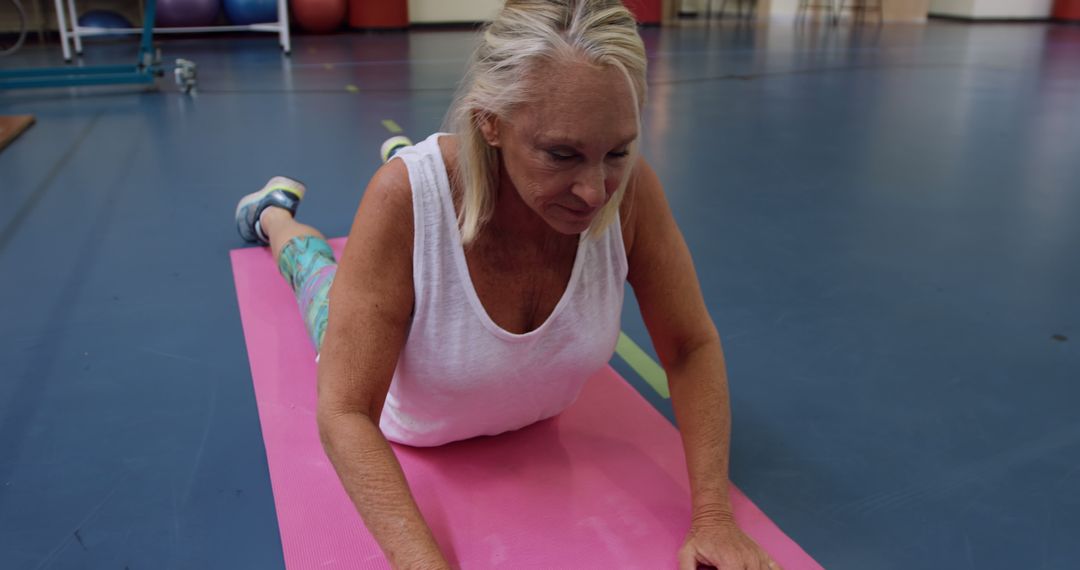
{"type": "Point", "coordinates": [279, 191]}
{"type": "Point", "coordinates": [391, 145]}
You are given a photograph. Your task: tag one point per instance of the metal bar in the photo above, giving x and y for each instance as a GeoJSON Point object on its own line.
{"type": "Point", "coordinates": [74, 15]}
{"type": "Point", "coordinates": [61, 24]}
{"type": "Point", "coordinates": [86, 32]}
{"type": "Point", "coordinates": [281, 27]}
{"type": "Point", "coordinates": [67, 71]}
{"type": "Point", "coordinates": [283, 21]}
{"type": "Point", "coordinates": [147, 44]}
{"type": "Point", "coordinates": [267, 27]}
{"type": "Point", "coordinates": [119, 79]}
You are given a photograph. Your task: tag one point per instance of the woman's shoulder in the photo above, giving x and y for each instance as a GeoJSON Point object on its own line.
{"type": "Point", "coordinates": [391, 186]}
{"type": "Point", "coordinates": [389, 197]}
{"type": "Point", "coordinates": [381, 239]}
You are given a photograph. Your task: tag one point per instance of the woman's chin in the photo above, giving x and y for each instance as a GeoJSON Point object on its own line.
{"type": "Point", "coordinates": [569, 222]}
{"type": "Point", "coordinates": [570, 227]}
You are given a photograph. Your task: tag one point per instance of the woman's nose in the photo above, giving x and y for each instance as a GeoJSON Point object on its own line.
{"type": "Point", "coordinates": [591, 190]}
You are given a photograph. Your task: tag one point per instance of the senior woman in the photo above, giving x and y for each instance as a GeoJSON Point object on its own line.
{"type": "Point", "coordinates": [482, 282]}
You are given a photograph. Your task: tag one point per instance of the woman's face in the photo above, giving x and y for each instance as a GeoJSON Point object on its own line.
{"type": "Point", "coordinates": [566, 152]}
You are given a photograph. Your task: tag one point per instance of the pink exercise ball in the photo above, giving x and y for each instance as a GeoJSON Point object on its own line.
{"type": "Point", "coordinates": [187, 13]}
{"type": "Point", "coordinates": [319, 16]}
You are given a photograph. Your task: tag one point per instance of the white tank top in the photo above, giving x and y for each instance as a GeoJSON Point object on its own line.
{"type": "Point", "coordinates": [460, 375]}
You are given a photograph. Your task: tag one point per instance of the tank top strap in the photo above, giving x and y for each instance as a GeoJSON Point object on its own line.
{"type": "Point", "coordinates": [433, 216]}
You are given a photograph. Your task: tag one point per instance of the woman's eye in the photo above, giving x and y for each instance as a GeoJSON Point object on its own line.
{"type": "Point", "coordinates": [621, 154]}
{"type": "Point", "coordinates": [559, 156]}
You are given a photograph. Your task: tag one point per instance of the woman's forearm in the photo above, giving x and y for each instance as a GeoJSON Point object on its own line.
{"type": "Point", "coordinates": [372, 476]}
{"type": "Point", "coordinates": [699, 395]}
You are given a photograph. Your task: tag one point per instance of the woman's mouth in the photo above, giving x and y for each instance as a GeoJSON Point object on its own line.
{"type": "Point", "coordinates": [579, 214]}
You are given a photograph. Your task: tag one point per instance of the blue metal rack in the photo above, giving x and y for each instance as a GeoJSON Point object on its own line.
{"type": "Point", "coordinates": [146, 70]}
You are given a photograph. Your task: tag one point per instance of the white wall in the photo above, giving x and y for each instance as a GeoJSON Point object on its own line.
{"type": "Point", "coordinates": [440, 11]}
{"type": "Point", "coordinates": [1013, 8]}
{"type": "Point", "coordinates": [1023, 9]}
{"type": "Point", "coordinates": [775, 7]}
{"type": "Point", "coordinates": [960, 8]}
{"type": "Point", "coordinates": [783, 7]}
{"type": "Point", "coordinates": [893, 10]}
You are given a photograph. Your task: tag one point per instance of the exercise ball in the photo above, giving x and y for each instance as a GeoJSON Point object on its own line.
{"type": "Point", "coordinates": [244, 12]}
{"type": "Point", "coordinates": [319, 16]}
{"type": "Point", "coordinates": [385, 14]}
{"type": "Point", "coordinates": [187, 13]}
{"type": "Point", "coordinates": [104, 19]}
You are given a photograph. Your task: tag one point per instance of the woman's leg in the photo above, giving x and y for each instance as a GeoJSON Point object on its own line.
{"type": "Point", "coordinates": [302, 254]}
{"type": "Point", "coordinates": [279, 225]}
{"type": "Point", "coordinates": [306, 261]}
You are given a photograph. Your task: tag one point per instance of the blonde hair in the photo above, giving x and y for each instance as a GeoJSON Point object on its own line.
{"type": "Point", "coordinates": [524, 34]}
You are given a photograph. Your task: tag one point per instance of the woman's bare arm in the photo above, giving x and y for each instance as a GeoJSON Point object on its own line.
{"type": "Point", "coordinates": [370, 308]}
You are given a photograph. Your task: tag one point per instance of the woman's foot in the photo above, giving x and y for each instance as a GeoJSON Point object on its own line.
{"type": "Point", "coordinates": [281, 192]}
{"type": "Point", "coordinates": [391, 145]}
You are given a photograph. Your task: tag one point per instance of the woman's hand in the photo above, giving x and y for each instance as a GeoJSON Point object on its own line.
{"type": "Point", "coordinates": [724, 546]}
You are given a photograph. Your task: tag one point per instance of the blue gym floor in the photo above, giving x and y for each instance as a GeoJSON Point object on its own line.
{"type": "Point", "coordinates": [886, 225]}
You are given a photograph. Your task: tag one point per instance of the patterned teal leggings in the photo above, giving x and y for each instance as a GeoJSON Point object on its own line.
{"type": "Point", "coordinates": [308, 264]}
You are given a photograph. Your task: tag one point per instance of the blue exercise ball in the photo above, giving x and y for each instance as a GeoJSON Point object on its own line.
{"type": "Point", "coordinates": [187, 13]}
{"type": "Point", "coordinates": [244, 12]}
{"type": "Point", "coordinates": [104, 19]}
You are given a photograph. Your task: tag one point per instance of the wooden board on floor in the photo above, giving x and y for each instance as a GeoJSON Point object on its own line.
{"type": "Point", "coordinates": [11, 126]}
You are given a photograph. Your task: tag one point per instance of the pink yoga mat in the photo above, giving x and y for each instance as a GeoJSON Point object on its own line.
{"type": "Point", "coordinates": [603, 485]}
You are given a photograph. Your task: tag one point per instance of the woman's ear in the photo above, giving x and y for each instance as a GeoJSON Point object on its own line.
{"type": "Point", "coordinates": [489, 128]}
